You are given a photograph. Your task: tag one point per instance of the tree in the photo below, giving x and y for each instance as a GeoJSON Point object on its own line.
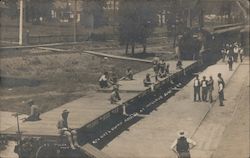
{"type": "Point", "coordinates": [12, 10]}
{"type": "Point", "coordinates": [94, 9]}
{"type": "Point", "coordinates": [38, 8]}
{"type": "Point", "coordinates": [137, 20]}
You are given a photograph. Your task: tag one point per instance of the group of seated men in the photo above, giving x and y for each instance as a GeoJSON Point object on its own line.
{"type": "Point", "coordinates": [160, 67]}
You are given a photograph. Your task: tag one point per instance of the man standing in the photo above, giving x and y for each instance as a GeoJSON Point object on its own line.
{"type": "Point", "coordinates": [230, 63]}
{"type": "Point", "coordinates": [63, 128]}
{"type": "Point", "coordinates": [197, 88]}
{"type": "Point", "coordinates": [221, 93]}
{"type": "Point", "coordinates": [204, 89]}
{"type": "Point", "coordinates": [241, 51]}
{"type": "Point", "coordinates": [210, 86]}
{"type": "Point", "coordinates": [181, 146]}
{"type": "Point", "coordinates": [236, 51]}
{"type": "Point", "coordinates": [221, 80]}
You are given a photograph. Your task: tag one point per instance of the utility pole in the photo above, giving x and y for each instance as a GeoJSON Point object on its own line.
{"type": "Point", "coordinates": [175, 23]}
{"type": "Point", "coordinates": [75, 20]}
{"type": "Point", "coordinates": [21, 23]}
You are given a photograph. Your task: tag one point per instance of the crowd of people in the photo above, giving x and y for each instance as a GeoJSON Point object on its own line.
{"type": "Point", "coordinates": [232, 53]}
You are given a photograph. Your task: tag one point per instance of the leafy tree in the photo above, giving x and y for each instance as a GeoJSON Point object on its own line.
{"type": "Point", "coordinates": [38, 8]}
{"type": "Point", "coordinates": [94, 8]}
{"type": "Point", "coordinates": [12, 10]}
{"type": "Point", "coordinates": [137, 19]}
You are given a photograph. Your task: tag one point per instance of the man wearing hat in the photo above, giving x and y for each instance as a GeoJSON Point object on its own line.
{"type": "Point", "coordinates": [182, 145]}
{"type": "Point", "coordinates": [34, 111]}
{"type": "Point", "coordinates": [63, 128]}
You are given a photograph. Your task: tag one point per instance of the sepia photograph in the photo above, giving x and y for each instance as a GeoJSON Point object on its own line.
{"type": "Point", "coordinates": [124, 79]}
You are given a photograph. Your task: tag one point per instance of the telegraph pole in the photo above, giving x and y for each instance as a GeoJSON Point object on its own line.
{"type": "Point", "coordinates": [21, 23]}
{"type": "Point", "coordinates": [75, 20]}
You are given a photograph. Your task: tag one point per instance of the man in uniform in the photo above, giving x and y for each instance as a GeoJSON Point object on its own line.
{"type": "Point", "coordinates": [183, 145]}
{"type": "Point", "coordinates": [63, 128]}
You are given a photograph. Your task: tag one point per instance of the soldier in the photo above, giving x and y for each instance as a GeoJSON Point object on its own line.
{"type": "Point", "coordinates": [181, 146]}
{"type": "Point", "coordinates": [63, 128]}
{"type": "Point", "coordinates": [197, 88]}
{"type": "Point", "coordinates": [204, 89]}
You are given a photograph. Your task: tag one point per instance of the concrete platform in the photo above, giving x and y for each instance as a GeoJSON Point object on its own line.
{"type": "Point", "coordinates": [86, 109]}
{"type": "Point", "coordinates": [153, 136]}
{"type": "Point", "coordinates": [136, 85]}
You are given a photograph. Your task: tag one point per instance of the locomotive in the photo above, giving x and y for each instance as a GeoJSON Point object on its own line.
{"type": "Point", "coordinates": [205, 45]}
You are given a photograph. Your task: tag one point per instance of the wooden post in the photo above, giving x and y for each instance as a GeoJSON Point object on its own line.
{"type": "Point", "coordinates": [21, 23]}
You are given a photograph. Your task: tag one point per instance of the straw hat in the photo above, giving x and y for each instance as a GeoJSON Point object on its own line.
{"type": "Point", "coordinates": [181, 133]}
{"type": "Point", "coordinates": [66, 111]}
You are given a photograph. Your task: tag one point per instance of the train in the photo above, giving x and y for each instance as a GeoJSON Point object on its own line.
{"type": "Point", "coordinates": [205, 44]}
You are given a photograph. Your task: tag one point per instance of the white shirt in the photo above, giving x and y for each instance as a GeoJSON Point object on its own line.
{"type": "Point", "coordinates": [196, 82]}
{"type": "Point", "coordinates": [190, 141]}
{"type": "Point", "coordinates": [204, 83]}
{"type": "Point", "coordinates": [241, 51]}
{"type": "Point", "coordinates": [236, 49]}
{"type": "Point", "coordinates": [220, 87]}
{"type": "Point", "coordinates": [103, 78]}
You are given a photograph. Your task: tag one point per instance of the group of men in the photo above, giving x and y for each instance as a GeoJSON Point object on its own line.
{"type": "Point", "coordinates": [232, 52]}
{"type": "Point", "coordinates": [161, 68]}
{"type": "Point", "coordinates": [106, 81]}
{"type": "Point", "coordinates": [206, 87]}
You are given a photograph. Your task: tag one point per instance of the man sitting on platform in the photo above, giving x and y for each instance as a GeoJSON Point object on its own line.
{"type": "Point", "coordinates": [115, 96]}
{"type": "Point", "coordinates": [129, 74]}
{"type": "Point", "coordinates": [179, 64]}
{"type": "Point", "coordinates": [34, 112]}
{"type": "Point", "coordinates": [147, 81]}
{"type": "Point", "coordinates": [103, 81]}
{"type": "Point", "coordinates": [63, 128]}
